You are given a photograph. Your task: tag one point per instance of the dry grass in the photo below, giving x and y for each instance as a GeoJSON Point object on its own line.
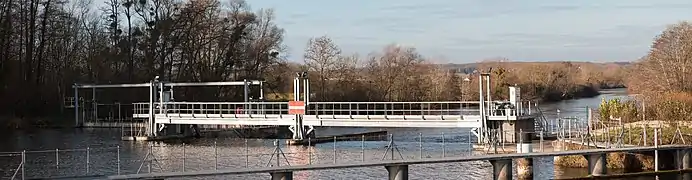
{"type": "Point", "coordinates": [632, 162]}
{"type": "Point", "coordinates": [668, 134]}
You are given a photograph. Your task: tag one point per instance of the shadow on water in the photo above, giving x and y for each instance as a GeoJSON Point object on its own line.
{"type": "Point", "coordinates": [205, 154]}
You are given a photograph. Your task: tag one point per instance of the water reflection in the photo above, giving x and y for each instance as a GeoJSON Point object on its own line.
{"type": "Point", "coordinates": [227, 153]}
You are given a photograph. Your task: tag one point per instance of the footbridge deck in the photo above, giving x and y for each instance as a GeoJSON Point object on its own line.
{"type": "Point", "coordinates": [351, 114]}
{"type": "Point", "coordinates": [398, 169]}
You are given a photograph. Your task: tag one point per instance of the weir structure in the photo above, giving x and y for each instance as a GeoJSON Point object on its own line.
{"type": "Point", "coordinates": [491, 121]}
{"type": "Point", "coordinates": [160, 92]}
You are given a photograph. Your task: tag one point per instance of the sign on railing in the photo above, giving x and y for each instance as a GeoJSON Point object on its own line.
{"type": "Point", "coordinates": [296, 107]}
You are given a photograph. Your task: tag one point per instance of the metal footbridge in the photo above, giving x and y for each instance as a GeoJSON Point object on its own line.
{"type": "Point", "coordinates": [482, 116]}
{"type": "Point", "coordinates": [338, 114]}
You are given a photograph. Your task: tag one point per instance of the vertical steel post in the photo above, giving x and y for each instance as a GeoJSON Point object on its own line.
{"type": "Point", "coordinates": [118, 151]}
{"type": "Point", "coordinates": [76, 105]}
{"type": "Point", "coordinates": [420, 145]}
{"type": "Point", "coordinates": [216, 157]}
{"type": "Point", "coordinates": [171, 92]}
{"type": "Point", "coordinates": [569, 124]}
{"type": "Point", "coordinates": [362, 148]}
{"type": "Point", "coordinates": [490, 102]}
{"type": "Point", "coordinates": [23, 163]}
{"type": "Point", "coordinates": [151, 129]}
{"type": "Point", "coordinates": [278, 162]}
{"type": "Point", "coordinates": [444, 148]}
{"type": "Point", "coordinates": [183, 157]}
{"type": "Point", "coordinates": [247, 155]}
{"type": "Point", "coordinates": [297, 134]}
{"type": "Point", "coordinates": [541, 145]}
{"type": "Point", "coordinates": [334, 149]}
{"type": "Point", "coordinates": [645, 137]}
{"type": "Point", "coordinates": [57, 159]}
{"type": "Point", "coordinates": [246, 90]}
{"type": "Point", "coordinates": [95, 106]}
{"type": "Point", "coordinates": [87, 160]}
{"type": "Point", "coordinates": [656, 151]}
{"type": "Point", "coordinates": [481, 110]}
{"type": "Point", "coordinates": [261, 90]}
{"type": "Point", "coordinates": [161, 108]}
{"type": "Point", "coordinates": [306, 91]}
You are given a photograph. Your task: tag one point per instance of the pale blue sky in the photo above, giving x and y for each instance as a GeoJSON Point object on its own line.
{"type": "Point", "coordinates": [462, 31]}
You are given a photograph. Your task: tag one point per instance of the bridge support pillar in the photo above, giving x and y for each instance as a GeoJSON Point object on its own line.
{"type": "Point", "coordinates": [525, 168]}
{"type": "Point", "coordinates": [502, 169]}
{"type": "Point", "coordinates": [282, 175]}
{"type": "Point", "coordinates": [397, 172]}
{"type": "Point", "coordinates": [597, 164]}
{"type": "Point", "coordinates": [685, 162]}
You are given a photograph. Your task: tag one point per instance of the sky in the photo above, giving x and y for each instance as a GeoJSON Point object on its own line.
{"type": "Point", "coordinates": [465, 31]}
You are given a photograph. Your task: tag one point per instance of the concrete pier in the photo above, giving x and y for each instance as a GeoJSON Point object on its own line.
{"type": "Point", "coordinates": [502, 169]}
{"type": "Point", "coordinates": [397, 172]}
{"type": "Point", "coordinates": [685, 162]}
{"type": "Point", "coordinates": [597, 164]}
{"type": "Point", "coordinates": [525, 168]}
{"type": "Point", "coordinates": [282, 175]}
{"type": "Point", "coordinates": [524, 165]}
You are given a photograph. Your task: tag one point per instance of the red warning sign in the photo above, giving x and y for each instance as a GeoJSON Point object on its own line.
{"type": "Point", "coordinates": [296, 107]}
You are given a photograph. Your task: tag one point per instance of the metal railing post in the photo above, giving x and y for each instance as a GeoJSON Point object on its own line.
{"type": "Point", "coordinates": [334, 149]}
{"type": "Point", "coordinates": [521, 140]}
{"type": "Point", "coordinates": [541, 145]}
{"type": "Point", "coordinates": [247, 156]}
{"type": "Point", "coordinates": [183, 157]}
{"type": "Point", "coordinates": [87, 160]}
{"type": "Point", "coordinates": [420, 145]}
{"type": "Point", "coordinates": [278, 160]}
{"type": "Point", "coordinates": [216, 157]}
{"type": "Point", "coordinates": [57, 159]}
{"type": "Point", "coordinates": [569, 128]}
{"type": "Point", "coordinates": [362, 148]}
{"type": "Point", "coordinates": [118, 151]}
{"type": "Point", "coordinates": [656, 151]}
{"type": "Point", "coordinates": [444, 148]}
{"type": "Point", "coordinates": [23, 164]}
{"type": "Point", "coordinates": [310, 150]}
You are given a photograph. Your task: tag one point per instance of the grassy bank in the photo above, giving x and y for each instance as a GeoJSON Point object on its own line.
{"type": "Point", "coordinates": [634, 134]}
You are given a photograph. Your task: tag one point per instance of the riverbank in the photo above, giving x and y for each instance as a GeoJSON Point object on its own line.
{"type": "Point", "coordinates": [640, 133]}
{"type": "Point", "coordinates": [630, 162]}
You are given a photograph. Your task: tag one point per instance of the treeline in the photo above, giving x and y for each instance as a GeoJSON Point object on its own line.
{"type": "Point", "coordinates": [401, 74]}
{"type": "Point", "coordinates": [661, 79]}
{"type": "Point", "coordinates": [47, 45]}
{"type": "Point", "coordinates": [553, 81]}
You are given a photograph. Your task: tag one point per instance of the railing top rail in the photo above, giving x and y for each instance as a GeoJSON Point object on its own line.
{"type": "Point", "coordinates": [238, 103]}
{"type": "Point", "coordinates": [395, 102]}
{"type": "Point", "coordinates": [393, 162]}
{"type": "Point", "coordinates": [335, 102]}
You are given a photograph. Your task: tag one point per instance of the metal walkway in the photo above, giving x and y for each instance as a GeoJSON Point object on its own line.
{"type": "Point", "coordinates": [344, 114]}
{"type": "Point", "coordinates": [398, 169]}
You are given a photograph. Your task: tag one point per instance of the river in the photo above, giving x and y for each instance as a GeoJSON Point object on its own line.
{"type": "Point", "coordinates": [202, 154]}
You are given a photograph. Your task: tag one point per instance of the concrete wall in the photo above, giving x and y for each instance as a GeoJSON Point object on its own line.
{"type": "Point", "coordinates": [511, 129]}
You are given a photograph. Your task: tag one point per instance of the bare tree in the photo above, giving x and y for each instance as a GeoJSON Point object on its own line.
{"type": "Point", "coordinates": [321, 57]}
{"type": "Point", "coordinates": [668, 65]}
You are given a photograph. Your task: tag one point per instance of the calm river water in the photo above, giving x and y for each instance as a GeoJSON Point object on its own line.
{"type": "Point", "coordinates": [229, 153]}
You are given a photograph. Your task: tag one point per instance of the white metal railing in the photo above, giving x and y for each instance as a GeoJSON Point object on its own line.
{"type": "Point", "coordinates": [340, 108]}
{"type": "Point", "coordinates": [393, 108]}
{"type": "Point", "coordinates": [68, 102]}
{"type": "Point", "coordinates": [215, 108]}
